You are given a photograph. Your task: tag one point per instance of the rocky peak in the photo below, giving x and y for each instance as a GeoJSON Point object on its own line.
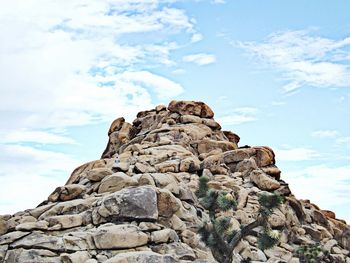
{"type": "Point", "coordinates": [137, 203]}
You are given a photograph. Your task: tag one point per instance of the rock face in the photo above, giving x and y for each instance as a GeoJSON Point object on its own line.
{"type": "Point", "coordinates": [138, 204]}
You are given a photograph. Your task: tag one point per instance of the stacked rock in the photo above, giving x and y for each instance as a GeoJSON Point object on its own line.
{"type": "Point", "coordinates": [138, 204]}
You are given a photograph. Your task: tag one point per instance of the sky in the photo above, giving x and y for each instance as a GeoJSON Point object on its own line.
{"type": "Point", "coordinates": [277, 73]}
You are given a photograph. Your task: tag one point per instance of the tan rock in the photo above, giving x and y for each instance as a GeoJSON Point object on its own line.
{"type": "Point", "coordinates": [11, 237]}
{"type": "Point", "coordinates": [66, 221]}
{"type": "Point", "coordinates": [3, 226]}
{"type": "Point", "coordinates": [67, 192]}
{"type": "Point", "coordinates": [3, 251]}
{"type": "Point", "coordinates": [191, 108]}
{"type": "Point", "coordinates": [238, 155]}
{"type": "Point", "coordinates": [141, 257]}
{"type": "Point", "coordinates": [116, 125]}
{"type": "Point", "coordinates": [190, 119]}
{"type": "Point", "coordinates": [263, 181]}
{"type": "Point", "coordinates": [77, 257]}
{"type": "Point", "coordinates": [31, 255]}
{"type": "Point", "coordinates": [111, 236]}
{"type": "Point", "coordinates": [39, 225]}
{"type": "Point", "coordinates": [116, 182]}
{"type": "Point", "coordinates": [164, 236]}
{"type": "Point", "coordinates": [207, 145]}
{"type": "Point", "coordinates": [98, 174]}
{"type": "Point", "coordinates": [190, 164]}
{"type": "Point", "coordinates": [167, 203]}
{"type": "Point", "coordinates": [277, 219]}
{"type": "Point", "coordinates": [82, 169]}
{"type": "Point", "coordinates": [264, 156]}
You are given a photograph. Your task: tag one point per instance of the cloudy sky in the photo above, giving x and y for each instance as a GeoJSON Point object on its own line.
{"type": "Point", "coordinates": [275, 72]}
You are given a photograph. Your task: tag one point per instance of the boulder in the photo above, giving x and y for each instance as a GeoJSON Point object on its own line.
{"type": "Point", "coordinates": [191, 108]}
{"type": "Point", "coordinates": [39, 240]}
{"type": "Point", "coordinates": [77, 257]}
{"type": "Point", "coordinates": [111, 236]}
{"type": "Point", "coordinates": [67, 192]}
{"type": "Point", "coordinates": [39, 225]}
{"type": "Point", "coordinates": [164, 236]}
{"type": "Point", "coordinates": [97, 174]}
{"type": "Point", "coordinates": [133, 203]}
{"type": "Point", "coordinates": [66, 221]}
{"type": "Point", "coordinates": [263, 181]}
{"type": "Point", "coordinates": [32, 256]}
{"type": "Point", "coordinates": [116, 182]}
{"type": "Point", "coordinates": [141, 257]}
{"type": "Point", "coordinates": [207, 145]}
{"type": "Point", "coordinates": [3, 226]}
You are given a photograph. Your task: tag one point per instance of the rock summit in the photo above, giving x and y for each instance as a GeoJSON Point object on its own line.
{"type": "Point", "coordinates": [137, 203]}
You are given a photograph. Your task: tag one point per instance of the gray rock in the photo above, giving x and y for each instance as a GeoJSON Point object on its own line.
{"type": "Point", "coordinates": [12, 236]}
{"type": "Point", "coordinates": [133, 203]}
{"type": "Point", "coordinates": [141, 257]}
{"type": "Point", "coordinates": [39, 240]}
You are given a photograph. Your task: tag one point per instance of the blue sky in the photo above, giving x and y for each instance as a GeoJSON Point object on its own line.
{"type": "Point", "coordinates": [276, 73]}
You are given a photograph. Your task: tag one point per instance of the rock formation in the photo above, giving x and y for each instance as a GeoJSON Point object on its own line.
{"type": "Point", "coordinates": [137, 203]}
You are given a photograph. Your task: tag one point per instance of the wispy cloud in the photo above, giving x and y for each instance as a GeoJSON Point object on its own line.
{"type": "Point", "coordinates": [239, 116]}
{"type": "Point", "coordinates": [296, 154]}
{"type": "Point", "coordinates": [200, 58]}
{"type": "Point", "coordinates": [30, 172]}
{"type": "Point", "coordinates": [73, 63]}
{"type": "Point", "coordinates": [65, 52]}
{"type": "Point", "coordinates": [325, 185]}
{"type": "Point", "coordinates": [218, 1]}
{"type": "Point", "coordinates": [325, 134]}
{"type": "Point", "coordinates": [42, 137]}
{"type": "Point", "coordinates": [304, 58]}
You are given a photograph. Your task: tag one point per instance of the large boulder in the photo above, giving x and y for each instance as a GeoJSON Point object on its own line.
{"type": "Point", "coordinates": [132, 203]}
{"type": "Point", "coordinates": [191, 108]}
{"type": "Point", "coordinates": [111, 236]}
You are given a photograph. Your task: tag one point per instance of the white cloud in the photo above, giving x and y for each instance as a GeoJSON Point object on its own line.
{"type": "Point", "coordinates": [324, 185]}
{"type": "Point", "coordinates": [196, 37]}
{"type": "Point", "coordinates": [305, 59]}
{"type": "Point", "coordinates": [163, 87]}
{"type": "Point", "coordinates": [72, 63]}
{"type": "Point", "coordinates": [218, 1]}
{"type": "Point", "coordinates": [343, 141]}
{"type": "Point", "coordinates": [296, 154]}
{"type": "Point", "coordinates": [325, 134]}
{"type": "Point", "coordinates": [28, 175]}
{"type": "Point", "coordinates": [200, 59]}
{"type": "Point", "coordinates": [55, 55]}
{"type": "Point", "coordinates": [36, 136]}
{"type": "Point", "coordinates": [239, 116]}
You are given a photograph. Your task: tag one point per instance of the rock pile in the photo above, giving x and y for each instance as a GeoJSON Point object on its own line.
{"type": "Point", "coordinates": [137, 203]}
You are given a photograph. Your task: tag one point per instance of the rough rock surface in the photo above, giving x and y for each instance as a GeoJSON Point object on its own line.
{"type": "Point", "coordinates": [137, 203]}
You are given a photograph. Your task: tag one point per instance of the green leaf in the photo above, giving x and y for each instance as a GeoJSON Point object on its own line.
{"type": "Point", "coordinates": [203, 186]}
{"type": "Point", "coordinates": [266, 240]}
{"type": "Point", "coordinates": [222, 225]}
{"type": "Point", "coordinates": [271, 201]}
{"type": "Point", "coordinates": [226, 202]}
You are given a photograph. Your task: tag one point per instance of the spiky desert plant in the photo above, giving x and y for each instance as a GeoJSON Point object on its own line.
{"type": "Point", "coordinates": [218, 233]}
{"type": "Point", "coordinates": [314, 254]}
